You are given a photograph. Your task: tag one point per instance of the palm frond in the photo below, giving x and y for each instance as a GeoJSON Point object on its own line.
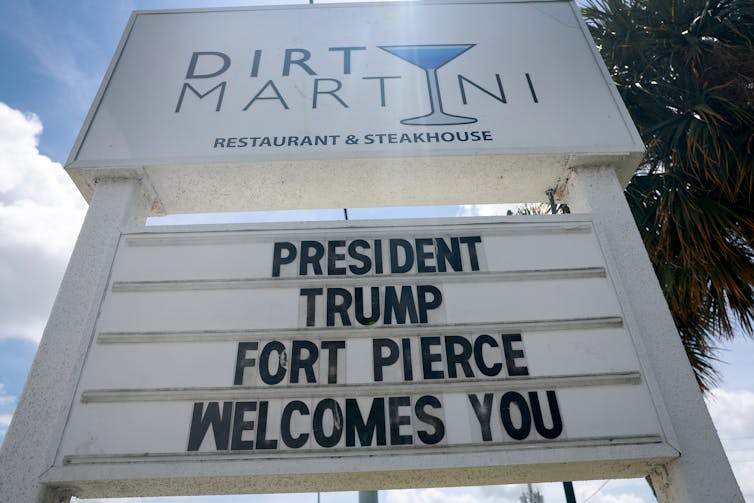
{"type": "Point", "coordinates": [685, 69]}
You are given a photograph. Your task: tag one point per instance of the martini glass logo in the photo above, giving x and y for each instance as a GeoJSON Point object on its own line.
{"type": "Point", "coordinates": [430, 58]}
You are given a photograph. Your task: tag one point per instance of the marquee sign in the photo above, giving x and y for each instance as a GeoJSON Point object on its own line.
{"type": "Point", "coordinates": [345, 92]}
{"type": "Point", "coordinates": [358, 355]}
{"type": "Point", "coordinates": [308, 350]}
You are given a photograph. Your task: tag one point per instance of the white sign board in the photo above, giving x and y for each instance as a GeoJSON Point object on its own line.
{"type": "Point", "coordinates": [278, 359]}
{"type": "Point", "coordinates": [264, 94]}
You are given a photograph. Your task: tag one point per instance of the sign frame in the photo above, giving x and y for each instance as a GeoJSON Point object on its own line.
{"type": "Point", "coordinates": [233, 472]}
{"type": "Point", "coordinates": [247, 184]}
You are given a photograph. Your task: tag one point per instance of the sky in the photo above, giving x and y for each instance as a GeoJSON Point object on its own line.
{"type": "Point", "coordinates": [53, 56]}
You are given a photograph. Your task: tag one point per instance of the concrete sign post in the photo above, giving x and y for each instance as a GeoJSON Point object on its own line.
{"type": "Point", "coordinates": [358, 355]}
{"type": "Point", "coordinates": [30, 443]}
{"type": "Point", "coordinates": [702, 472]}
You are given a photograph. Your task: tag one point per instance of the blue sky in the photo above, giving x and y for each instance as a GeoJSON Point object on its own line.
{"type": "Point", "coordinates": [53, 56]}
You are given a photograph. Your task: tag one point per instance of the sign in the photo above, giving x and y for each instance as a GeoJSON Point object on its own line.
{"type": "Point", "coordinates": [296, 353]}
{"type": "Point", "coordinates": [349, 356]}
{"type": "Point", "coordinates": [336, 94]}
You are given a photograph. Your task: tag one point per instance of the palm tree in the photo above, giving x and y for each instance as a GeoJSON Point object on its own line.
{"type": "Point", "coordinates": [685, 69]}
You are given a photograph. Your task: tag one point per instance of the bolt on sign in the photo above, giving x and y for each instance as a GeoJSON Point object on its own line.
{"type": "Point", "coordinates": [338, 97]}
{"type": "Point", "coordinates": [381, 348]}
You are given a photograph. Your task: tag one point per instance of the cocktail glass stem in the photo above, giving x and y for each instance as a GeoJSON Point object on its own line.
{"type": "Point", "coordinates": [433, 86]}
{"type": "Point", "coordinates": [437, 116]}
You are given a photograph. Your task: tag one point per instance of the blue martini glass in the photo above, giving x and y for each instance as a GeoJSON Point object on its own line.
{"type": "Point", "coordinates": [430, 58]}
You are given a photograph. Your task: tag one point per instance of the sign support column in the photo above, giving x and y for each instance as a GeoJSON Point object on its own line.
{"type": "Point", "coordinates": [702, 473]}
{"type": "Point", "coordinates": [45, 403]}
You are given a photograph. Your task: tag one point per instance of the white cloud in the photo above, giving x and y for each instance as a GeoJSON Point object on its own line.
{"type": "Point", "coordinates": [601, 491]}
{"type": "Point", "coordinates": [5, 398]}
{"type": "Point", "coordinates": [454, 495]}
{"type": "Point", "coordinates": [732, 412]}
{"type": "Point", "coordinates": [733, 415]}
{"type": "Point", "coordinates": [744, 471]}
{"type": "Point", "coordinates": [486, 210]}
{"type": "Point", "coordinates": [4, 423]}
{"type": "Point", "coordinates": [617, 498]}
{"type": "Point", "coordinates": [40, 215]}
{"type": "Point", "coordinates": [616, 491]}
